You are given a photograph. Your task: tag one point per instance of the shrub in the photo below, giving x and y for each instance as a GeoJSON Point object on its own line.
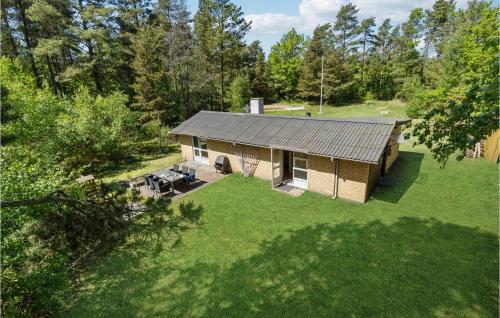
{"type": "Point", "coordinates": [409, 88]}
{"type": "Point", "coordinates": [239, 93]}
{"type": "Point", "coordinates": [369, 97]}
{"type": "Point", "coordinates": [424, 100]}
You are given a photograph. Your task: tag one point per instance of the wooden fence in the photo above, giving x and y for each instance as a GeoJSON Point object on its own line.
{"type": "Point", "coordinates": [492, 146]}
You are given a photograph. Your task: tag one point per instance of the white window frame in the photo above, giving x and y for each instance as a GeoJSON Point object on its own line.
{"type": "Point", "coordinates": [198, 151]}
{"type": "Point", "coordinates": [299, 182]}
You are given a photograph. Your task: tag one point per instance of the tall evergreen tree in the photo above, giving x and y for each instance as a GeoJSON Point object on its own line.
{"type": "Point", "coordinates": [255, 62]}
{"type": "Point", "coordinates": [179, 42]}
{"type": "Point", "coordinates": [322, 43]}
{"type": "Point", "coordinates": [220, 29]}
{"type": "Point", "coordinates": [152, 82]}
{"type": "Point", "coordinates": [347, 28]}
{"type": "Point", "coordinates": [54, 40]}
{"type": "Point", "coordinates": [366, 41]}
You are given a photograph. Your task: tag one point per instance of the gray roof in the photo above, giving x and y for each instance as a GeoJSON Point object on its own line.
{"type": "Point", "coordinates": [351, 139]}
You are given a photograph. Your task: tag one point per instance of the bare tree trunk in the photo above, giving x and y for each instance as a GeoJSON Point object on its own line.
{"type": "Point", "coordinates": [29, 44]}
{"type": "Point", "coordinates": [53, 83]}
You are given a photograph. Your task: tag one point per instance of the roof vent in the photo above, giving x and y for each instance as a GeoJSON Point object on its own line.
{"type": "Point", "coordinates": [257, 105]}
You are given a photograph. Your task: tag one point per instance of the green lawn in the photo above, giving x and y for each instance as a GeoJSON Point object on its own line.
{"type": "Point", "coordinates": [426, 247]}
{"type": "Point", "coordinates": [369, 109]}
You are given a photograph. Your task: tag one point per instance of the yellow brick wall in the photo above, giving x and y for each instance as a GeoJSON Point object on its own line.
{"type": "Point", "coordinates": [263, 169]}
{"type": "Point", "coordinates": [374, 176]}
{"type": "Point", "coordinates": [186, 147]}
{"type": "Point", "coordinates": [353, 180]}
{"type": "Point", "coordinates": [320, 175]}
{"type": "Point", "coordinates": [277, 166]}
{"type": "Point", "coordinates": [394, 147]}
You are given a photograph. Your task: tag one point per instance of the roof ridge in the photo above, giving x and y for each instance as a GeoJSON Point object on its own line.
{"type": "Point", "coordinates": [305, 118]}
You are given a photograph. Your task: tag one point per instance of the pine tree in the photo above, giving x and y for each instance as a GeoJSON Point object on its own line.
{"type": "Point", "coordinates": [179, 41]}
{"type": "Point", "coordinates": [321, 44]}
{"type": "Point", "coordinates": [220, 29]}
{"type": "Point", "coordinates": [347, 27]}
{"type": "Point", "coordinates": [367, 40]}
{"type": "Point", "coordinates": [152, 82]}
{"type": "Point", "coordinates": [54, 40]}
{"type": "Point", "coordinates": [255, 64]}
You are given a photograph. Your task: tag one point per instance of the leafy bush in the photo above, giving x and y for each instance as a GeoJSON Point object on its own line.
{"type": "Point", "coordinates": [409, 88]}
{"type": "Point", "coordinates": [239, 93]}
{"type": "Point", "coordinates": [369, 98]}
{"type": "Point", "coordinates": [95, 127]}
{"type": "Point", "coordinates": [424, 100]}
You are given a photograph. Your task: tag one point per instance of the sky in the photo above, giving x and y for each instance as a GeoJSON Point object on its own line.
{"type": "Point", "coordinates": [273, 18]}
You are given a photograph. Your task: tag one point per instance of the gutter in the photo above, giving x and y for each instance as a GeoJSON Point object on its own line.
{"type": "Point", "coordinates": [336, 181]}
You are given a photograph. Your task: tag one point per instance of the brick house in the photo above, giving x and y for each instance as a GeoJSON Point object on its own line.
{"type": "Point", "coordinates": [335, 157]}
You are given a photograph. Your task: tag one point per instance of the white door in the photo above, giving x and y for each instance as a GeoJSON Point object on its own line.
{"type": "Point", "coordinates": [200, 150]}
{"type": "Point", "coordinates": [300, 170]}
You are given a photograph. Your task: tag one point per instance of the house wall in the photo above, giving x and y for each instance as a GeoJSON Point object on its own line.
{"type": "Point", "coordinates": [216, 148]}
{"type": "Point", "coordinates": [394, 147]}
{"type": "Point", "coordinates": [374, 174]}
{"type": "Point", "coordinates": [353, 180]}
{"type": "Point", "coordinates": [186, 147]}
{"type": "Point", "coordinates": [356, 179]}
{"type": "Point", "coordinates": [320, 175]}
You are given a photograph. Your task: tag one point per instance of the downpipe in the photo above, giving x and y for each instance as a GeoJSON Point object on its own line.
{"type": "Point", "coordinates": [336, 181]}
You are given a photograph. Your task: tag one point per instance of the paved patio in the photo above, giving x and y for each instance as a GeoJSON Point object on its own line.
{"type": "Point", "coordinates": [204, 175]}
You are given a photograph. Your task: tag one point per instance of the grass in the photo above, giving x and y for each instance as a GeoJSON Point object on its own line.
{"type": "Point", "coordinates": [369, 109]}
{"type": "Point", "coordinates": [426, 247]}
{"type": "Point", "coordinates": [141, 167]}
{"type": "Point", "coordinates": [144, 157]}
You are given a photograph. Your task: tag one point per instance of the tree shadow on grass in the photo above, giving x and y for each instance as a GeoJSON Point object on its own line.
{"type": "Point", "coordinates": [411, 268]}
{"type": "Point", "coordinates": [401, 176]}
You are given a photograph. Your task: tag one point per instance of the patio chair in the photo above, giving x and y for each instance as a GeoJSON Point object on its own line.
{"type": "Point", "coordinates": [152, 180]}
{"type": "Point", "coordinates": [185, 170]}
{"type": "Point", "coordinates": [146, 181]}
{"type": "Point", "coordinates": [161, 187]}
{"type": "Point", "coordinates": [190, 176]}
{"type": "Point", "coordinates": [175, 168]}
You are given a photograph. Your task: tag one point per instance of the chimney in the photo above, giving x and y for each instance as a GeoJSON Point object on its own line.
{"type": "Point", "coordinates": [257, 105]}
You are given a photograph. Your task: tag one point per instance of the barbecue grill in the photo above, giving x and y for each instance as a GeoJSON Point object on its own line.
{"type": "Point", "coordinates": [222, 164]}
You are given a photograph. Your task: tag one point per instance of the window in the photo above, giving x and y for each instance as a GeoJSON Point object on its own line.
{"type": "Point", "coordinates": [200, 150]}
{"type": "Point", "coordinates": [300, 170]}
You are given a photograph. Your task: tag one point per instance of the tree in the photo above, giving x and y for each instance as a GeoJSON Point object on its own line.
{"type": "Point", "coordinates": [152, 82]}
{"type": "Point", "coordinates": [437, 25]}
{"type": "Point", "coordinates": [54, 41]}
{"type": "Point", "coordinates": [285, 61]}
{"type": "Point", "coordinates": [220, 29]}
{"type": "Point", "coordinates": [367, 39]}
{"type": "Point", "coordinates": [239, 92]}
{"type": "Point", "coordinates": [255, 63]}
{"type": "Point", "coordinates": [179, 42]}
{"type": "Point", "coordinates": [471, 110]}
{"type": "Point", "coordinates": [379, 75]}
{"type": "Point", "coordinates": [347, 29]}
{"type": "Point", "coordinates": [320, 45]}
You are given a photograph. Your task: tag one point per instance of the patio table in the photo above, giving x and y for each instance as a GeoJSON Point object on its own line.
{"type": "Point", "coordinates": [168, 175]}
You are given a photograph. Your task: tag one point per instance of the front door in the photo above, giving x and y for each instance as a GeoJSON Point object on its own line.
{"type": "Point", "coordinates": [287, 165]}
{"type": "Point", "coordinates": [300, 170]}
{"type": "Point", "coordinates": [200, 150]}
